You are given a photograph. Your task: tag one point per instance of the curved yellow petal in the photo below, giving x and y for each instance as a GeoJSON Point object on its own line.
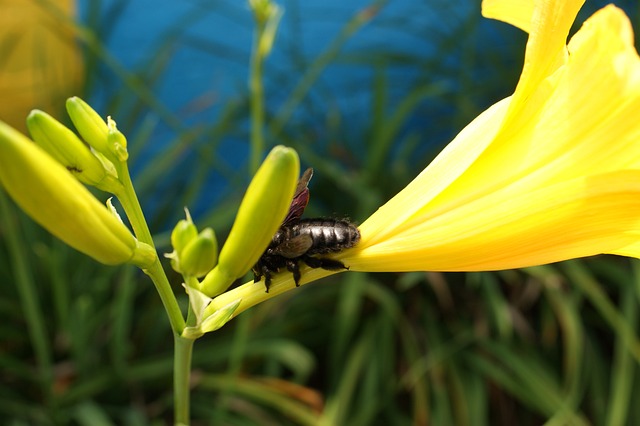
{"type": "Point", "coordinates": [513, 228]}
{"type": "Point", "coordinates": [586, 124]}
{"type": "Point", "coordinates": [546, 52]}
{"type": "Point", "coordinates": [453, 161]}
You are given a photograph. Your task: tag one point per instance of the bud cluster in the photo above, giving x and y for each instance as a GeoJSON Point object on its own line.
{"type": "Point", "coordinates": [194, 254]}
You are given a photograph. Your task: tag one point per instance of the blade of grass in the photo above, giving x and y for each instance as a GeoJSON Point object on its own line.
{"type": "Point", "coordinates": [579, 276]}
{"type": "Point", "coordinates": [623, 368]}
{"type": "Point", "coordinates": [28, 293]}
{"type": "Point", "coordinates": [258, 391]}
{"type": "Point", "coordinates": [315, 69]}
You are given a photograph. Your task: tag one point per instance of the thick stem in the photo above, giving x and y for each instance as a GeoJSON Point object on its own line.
{"type": "Point", "coordinates": [256, 90]}
{"type": "Point", "coordinates": [131, 206]}
{"type": "Point", "coordinates": [183, 349]}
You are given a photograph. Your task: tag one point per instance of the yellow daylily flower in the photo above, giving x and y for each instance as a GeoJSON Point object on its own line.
{"type": "Point", "coordinates": [548, 174]}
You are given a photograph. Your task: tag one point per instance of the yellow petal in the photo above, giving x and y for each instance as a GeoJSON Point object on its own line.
{"type": "Point", "coordinates": [515, 12]}
{"type": "Point", "coordinates": [513, 228]}
{"type": "Point", "coordinates": [586, 124]}
{"type": "Point", "coordinates": [546, 52]}
{"type": "Point", "coordinates": [452, 162]}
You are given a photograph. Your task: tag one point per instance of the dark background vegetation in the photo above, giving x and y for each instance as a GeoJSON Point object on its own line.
{"type": "Point", "coordinates": [368, 103]}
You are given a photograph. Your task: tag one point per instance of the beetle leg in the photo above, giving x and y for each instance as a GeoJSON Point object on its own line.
{"type": "Point", "coordinates": [292, 266]}
{"type": "Point", "coordinates": [328, 264]}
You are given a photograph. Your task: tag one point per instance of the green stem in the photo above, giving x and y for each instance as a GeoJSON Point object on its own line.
{"type": "Point", "coordinates": [256, 90]}
{"type": "Point", "coordinates": [183, 349]}
{"type": "Point", "coordinates": [131, 206]}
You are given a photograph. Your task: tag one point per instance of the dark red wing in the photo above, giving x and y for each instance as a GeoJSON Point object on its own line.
{"type": "Point", "coordinates": [300, 197]}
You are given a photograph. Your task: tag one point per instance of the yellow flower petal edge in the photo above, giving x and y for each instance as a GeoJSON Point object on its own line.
{"type": "Point", "coordinates": [515, 12]}
{"type": "Point", "coordinates": [48, 193]}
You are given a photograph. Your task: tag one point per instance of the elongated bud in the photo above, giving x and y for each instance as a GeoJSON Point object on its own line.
{"type": "Point", "coordinates": [267, 15]}
{"type": "Point", "coordinates": [263, 208]}
{"type": "Point", "coordinates": [92, 127]}
{"type": "Point", "coordinates": [65, 147]}
{"type": "Point", "coordinates": [200, 255]}
{"type": "Point", "coordinates": [47, 192]}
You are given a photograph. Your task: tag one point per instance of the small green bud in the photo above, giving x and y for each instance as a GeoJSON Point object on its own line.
{"type": "Point", "coordinates": [183, 233]}
{"type": "Point", "coordinates": [64, 146]}
{"type": "Point", "coordinates": [267, 16]}
{"type": "Point", "coordinates": [200, 255]}
{"type": "Point", "coordinates": [263, 208]}
{"type": "Point", "coordinates": [92, 128]}
{"type": "Point", "coordinates": [47, 192]}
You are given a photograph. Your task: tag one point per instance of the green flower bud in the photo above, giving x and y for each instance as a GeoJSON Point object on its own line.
{"type": "Point", "coordinates": [183, 233]}
{"type": "Point", "coordinates": [261, 213]}
{"type": "Point", "coordinates": [64, 146]}
{"type": "Point", "coordinates": [92, 127]}
{"type": "Point", "coordinates": [200, 255]}
{"type": "Point", "coordinates": [47, 192]}
{"type": "Point", "coordinates": [267, 15]}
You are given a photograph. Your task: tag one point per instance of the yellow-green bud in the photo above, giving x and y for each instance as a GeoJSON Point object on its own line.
{"type": "Point", "coordinates": [200, 255]}
{"type": "Point", "coordinates": [267, 15]}
{"type": "Point", "coordinates": [47, 192]}
{"type": "Point", "coordinates": [91, 126]}
{"type": "Point", "coordinates": [183, 233]}
{"type": "Point", "coordinates": [64, 146]}
{"type": "Point", "coordinates": [263, 208]}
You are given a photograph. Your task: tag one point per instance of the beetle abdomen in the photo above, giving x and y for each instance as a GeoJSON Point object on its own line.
{"type": "Point", "coordinates": [327, 235]}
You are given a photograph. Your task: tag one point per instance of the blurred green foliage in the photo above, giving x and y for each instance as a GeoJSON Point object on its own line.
{"type": "Point", "coordinates": [81, 343]}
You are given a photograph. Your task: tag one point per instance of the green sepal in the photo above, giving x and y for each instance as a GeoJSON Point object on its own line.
{"type": "Point", "coordinates": [211, 322]}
